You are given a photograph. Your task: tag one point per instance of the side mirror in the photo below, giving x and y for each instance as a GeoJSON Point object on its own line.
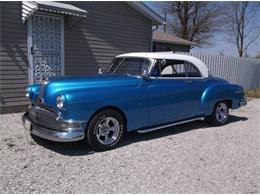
{"type": "Point", "coordinates": [146, 75]}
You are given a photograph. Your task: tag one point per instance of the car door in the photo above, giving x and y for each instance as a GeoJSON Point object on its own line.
{"type": "Point", "coordinates": [196, 86]}
{"type": "Point", "coordinates": [172, 95]}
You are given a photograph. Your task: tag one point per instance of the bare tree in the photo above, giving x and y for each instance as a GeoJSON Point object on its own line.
{"type": "Point", "coordinates": [242, 24]}
{"type": "Point", "coordinates": [194, 21]}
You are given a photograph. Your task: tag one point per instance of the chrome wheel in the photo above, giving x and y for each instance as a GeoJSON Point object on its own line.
{"type": "Point", "coordinates": [221, 112]}
{"type": "Point", "coordinates": [107, 130]}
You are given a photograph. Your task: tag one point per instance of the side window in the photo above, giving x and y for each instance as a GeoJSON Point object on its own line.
{"type": "Point", "coordinates": [134, 66]}
{"type": "Point", "coordinates": [192, 70]}
{"type": "Point", "coordinates": [173, 70]}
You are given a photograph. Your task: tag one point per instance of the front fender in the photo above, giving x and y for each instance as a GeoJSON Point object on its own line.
{"type": "Point", "coordinates": [220, 92]}
{"type": "Point", "coordinates": [33, 91]}
{"type": "Point", "coordinates": [131, 100]}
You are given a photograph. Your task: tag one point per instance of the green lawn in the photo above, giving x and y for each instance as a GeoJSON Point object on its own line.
{"type": "Point", "coordinates": [253, 93]}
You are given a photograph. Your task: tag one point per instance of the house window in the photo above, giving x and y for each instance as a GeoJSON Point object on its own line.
{"type": "Point", "coordinates": [161, 48]}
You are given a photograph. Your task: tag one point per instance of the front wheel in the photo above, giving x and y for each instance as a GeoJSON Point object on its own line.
{"type": "Point", "coordinates": [220, 114]}
{"type": "Point", "coordinates": [105, 130]}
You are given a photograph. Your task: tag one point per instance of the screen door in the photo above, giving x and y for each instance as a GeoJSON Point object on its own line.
{"type": "Point", "coordinates": [45, 42]}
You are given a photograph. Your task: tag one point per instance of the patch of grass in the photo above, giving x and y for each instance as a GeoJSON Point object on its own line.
{"type": "Point", "coordinates": [253, 93]}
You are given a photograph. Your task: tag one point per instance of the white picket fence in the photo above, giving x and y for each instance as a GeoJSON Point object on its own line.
{"type": "Point", "coordinates": [242, 71]}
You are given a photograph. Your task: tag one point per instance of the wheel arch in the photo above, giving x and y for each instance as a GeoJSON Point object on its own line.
{"type": "Point", "coordinates": [109, 108]}
{"type": "Point", "coordinates": [215, 93]}
{"type": "Point", "coordinates": [227, 101]}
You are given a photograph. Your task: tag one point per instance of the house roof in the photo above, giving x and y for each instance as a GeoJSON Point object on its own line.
{"type": "Point", "coordinates": [162, 37]}
{"type": "Point", "coordinates": [171, 56]}
{"type": "Point", "coordinates": [146, 11]}
{"type": "Point", "coordinates": [29, 7]}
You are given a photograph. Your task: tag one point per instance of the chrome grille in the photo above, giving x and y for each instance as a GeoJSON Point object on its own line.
{"type": "Point", "coordinates": [43, 117]}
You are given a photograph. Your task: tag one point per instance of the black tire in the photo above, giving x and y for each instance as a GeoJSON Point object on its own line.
{"type": "Point", "coordinates": [92, 133]}
{"type": "Point", "coordinates": [215, 119]}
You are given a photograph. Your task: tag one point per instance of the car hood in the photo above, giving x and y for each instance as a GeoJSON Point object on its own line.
{"type": "Point", "coordinates": [59, 86]}
{"type": "Point", "coordinates": [101, 80]}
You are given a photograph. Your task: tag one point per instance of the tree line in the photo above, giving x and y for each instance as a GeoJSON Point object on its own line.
{"type": "Point", "coordinates": [200, 21]}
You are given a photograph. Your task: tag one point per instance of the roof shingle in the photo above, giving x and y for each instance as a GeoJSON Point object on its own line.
{"type": "Point", "coordinates": [168, 38]}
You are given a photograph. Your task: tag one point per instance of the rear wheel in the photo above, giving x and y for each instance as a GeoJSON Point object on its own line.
{"type": "Point", "coordinates": [220, 114]}
{"type": "Point", "coordinates": [105, 130]}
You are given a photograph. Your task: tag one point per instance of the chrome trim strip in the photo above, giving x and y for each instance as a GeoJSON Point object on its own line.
{"type": "Point", "coordinates": [179, 78]}
{"type": "Point", "coordinates": [43, 109]}
{"type": "Point", "coordinates": [169, 125]}
{"type": "Point", "coordinates": [59, 117]}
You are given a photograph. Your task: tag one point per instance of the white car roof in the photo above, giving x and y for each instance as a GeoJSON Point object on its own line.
{"type": "Point", "coordinates": [171, 56]}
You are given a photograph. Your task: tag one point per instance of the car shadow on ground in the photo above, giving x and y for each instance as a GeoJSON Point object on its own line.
{"type": "Point", "coordinates": [81, 148]}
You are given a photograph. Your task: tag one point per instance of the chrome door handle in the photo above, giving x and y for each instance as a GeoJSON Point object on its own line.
{"type": "Point", "coordinates": [189, 81]}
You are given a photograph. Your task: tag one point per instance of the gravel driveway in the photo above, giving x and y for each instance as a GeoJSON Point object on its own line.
{"type": "Point", "coordinates": [190, 158]}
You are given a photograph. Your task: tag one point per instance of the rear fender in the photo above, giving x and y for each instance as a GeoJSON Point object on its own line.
{"type": "Point", "coordinates": [219, 92]}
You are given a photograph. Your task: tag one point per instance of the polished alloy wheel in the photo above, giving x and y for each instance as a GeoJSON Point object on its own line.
{"type": "Point", "coordinates": [221, 112]}
{"type": "Point", "coordinates": [107, 130]}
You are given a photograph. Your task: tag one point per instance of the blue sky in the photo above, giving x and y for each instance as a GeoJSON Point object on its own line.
{"type": "Point", "coordinates": [220, 42]}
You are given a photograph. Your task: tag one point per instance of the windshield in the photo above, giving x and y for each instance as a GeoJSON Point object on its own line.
{"type": "Point", "coordinates": [132, 66]}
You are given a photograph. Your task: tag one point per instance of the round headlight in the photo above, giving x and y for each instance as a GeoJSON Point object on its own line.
{"type": "Point", "coordinates": [59, 102]}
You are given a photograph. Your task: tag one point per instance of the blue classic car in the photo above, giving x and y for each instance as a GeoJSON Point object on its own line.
{"type": "Point", "coordinates": [138, 92]}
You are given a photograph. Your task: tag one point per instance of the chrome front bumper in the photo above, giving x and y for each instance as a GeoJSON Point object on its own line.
{"type": "Point", "coordinates": [64, 131]}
